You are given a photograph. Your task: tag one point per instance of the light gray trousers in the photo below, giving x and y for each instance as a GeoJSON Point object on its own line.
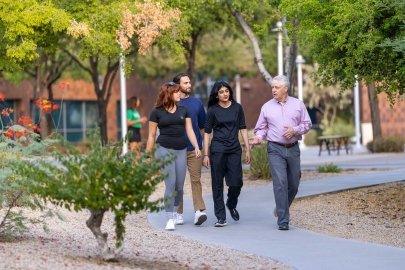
{"type": "Point", "coordinates": [175, 176]}
{"type": "Point", "coordinates": [285, 170]}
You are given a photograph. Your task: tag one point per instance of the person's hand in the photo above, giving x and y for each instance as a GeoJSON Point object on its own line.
{"type": "Point", "coordinates": [255, 140]}
{"type": "Point", "coordinates": [247, 156]}
{"type": "Point", "coordinates": [197, 152]}
{"type": "Point", "coordinates": [206, 161]}
{"type": "Point", "coordinates": [289, 133]}
{"type": "Point", "coordinates": [143, 120]}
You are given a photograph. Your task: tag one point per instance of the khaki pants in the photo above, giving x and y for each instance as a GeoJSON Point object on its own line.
{"type": "Point", "coordinates": [194, 168]}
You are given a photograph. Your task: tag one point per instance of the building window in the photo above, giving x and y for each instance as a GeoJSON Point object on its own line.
{"type": "Point", "coordinates": [73, 119]}
{"type": "Point", "coordinates": [10, 119]}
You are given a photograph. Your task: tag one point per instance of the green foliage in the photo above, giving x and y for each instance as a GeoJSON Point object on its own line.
{"type": "Point", "coordinates": [13, 222]}
{"type": "Point", "coordinates": [262, 17]}
{"type": "Point", "coordinates": [157, 63]}
{"type": "Point", "coordinates": [14, 195]}
{"type": "Point", "coordinates": [340, 127]}
{"type": "Point", "coordinates": [332, 101]}
{"type": "Point", "coordinates": [329, 168]}
{"type": "Point", "coordinates": [26, 26]}
{"type": "Point", "coordinates": [259, 164]}
{"type": "Point", "coordinates": [311, 137]}
{"type": "Point", "coordinates": [393, 144]}
{"type": "Point", "coordinates": [101, 180]}
{"type": "Point", "coordinates": [367, 46]}
{"type": "Point", "coordinates": [224, 55]}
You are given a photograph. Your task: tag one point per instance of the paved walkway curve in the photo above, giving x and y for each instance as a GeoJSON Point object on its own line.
{"type": "Point", "coordinates": [257, 232]}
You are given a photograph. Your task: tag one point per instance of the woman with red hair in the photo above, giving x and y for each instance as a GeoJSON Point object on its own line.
{"type": "Point", "coordinates": [174, 124]}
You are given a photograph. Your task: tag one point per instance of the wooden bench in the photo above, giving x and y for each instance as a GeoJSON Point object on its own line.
{"type": "Point", "coordinates": [334, 143]}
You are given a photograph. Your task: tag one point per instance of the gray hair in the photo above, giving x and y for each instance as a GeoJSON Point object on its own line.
{"type": "Point", "coordinates": [283, 79]}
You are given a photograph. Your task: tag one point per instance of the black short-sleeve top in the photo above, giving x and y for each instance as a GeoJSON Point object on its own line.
{"type": "Point", "coordinates": [172, 127]}
{"type": "Point", "coordinates": [225, 124]}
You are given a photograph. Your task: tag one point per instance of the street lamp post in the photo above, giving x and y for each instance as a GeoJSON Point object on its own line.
{"type": "Point", "coordinates": [237, 88]}
{"type": "Point", "coordinates": [357, 112]}
{"type": "Point", "coordinates": [123, 92]}
{"type": "Point", "coordinates": [279, 30]}
{"type": "Point", "coordinates": [299, 61]}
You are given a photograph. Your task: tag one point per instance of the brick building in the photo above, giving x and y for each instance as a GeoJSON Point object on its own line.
{"type": "Point", "coordinates": [79, 110]}
{"type": "Point", "coordinates": [392, 119]}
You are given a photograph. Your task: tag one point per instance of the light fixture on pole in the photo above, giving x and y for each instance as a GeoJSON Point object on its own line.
{"type": "Point", "coordinates": [357, 112]}
{"type": "Point", "coordinates": [299, 61]}
{"type": "Point", "coordinates": [123, 92]}
{"type": "Point", "coordinates": [237, 88]}
{"type": "Point", "coordinates": [279, 30]}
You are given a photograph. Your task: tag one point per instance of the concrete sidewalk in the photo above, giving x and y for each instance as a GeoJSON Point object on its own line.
{"type": "Point", "coordinates": [257, 232]}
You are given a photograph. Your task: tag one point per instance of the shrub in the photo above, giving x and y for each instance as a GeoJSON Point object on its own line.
{"type": "Point", "coordinates": [329, 168]}
{"type": "Point", "coordinates": [340, 127]}
{"type": "Point", "coordinates": [311, 137]}
{"type": "Point", "coordinates": [259, 165]}
{"type": "Point", "coordinates": [100, 181]}
{"type": "Point", "coordinates": [18, 142]}
{"type": "Point", "coordinates": [393, 144]}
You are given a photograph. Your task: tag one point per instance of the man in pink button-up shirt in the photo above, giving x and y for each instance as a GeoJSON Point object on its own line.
{"type": "Point", "coordinates": [282, 122]}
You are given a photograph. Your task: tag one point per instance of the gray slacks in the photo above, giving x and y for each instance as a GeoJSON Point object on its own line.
{"type": "Point", "coordinates": [285, 170]}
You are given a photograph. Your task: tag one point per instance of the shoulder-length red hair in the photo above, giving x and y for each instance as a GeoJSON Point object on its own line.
{"type": "Point", "coordinates": [165, 97]}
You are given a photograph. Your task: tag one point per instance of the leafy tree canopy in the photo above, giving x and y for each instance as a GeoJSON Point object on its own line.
{"type": "Point", "coordinates": [354, 37]}
{"type": "Point", "coordinates": [25, 26]}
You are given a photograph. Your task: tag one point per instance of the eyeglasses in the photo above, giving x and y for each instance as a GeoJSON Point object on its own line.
{"type": "Point", "coordinates": [170, 84]}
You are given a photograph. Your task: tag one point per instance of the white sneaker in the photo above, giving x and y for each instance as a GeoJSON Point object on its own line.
{"type": "Point", "coordinates": [200, 217]}
{"type": "Point", "coordinates": [170, 226]}
{"type": "Point", "coordinates": [179, 219]}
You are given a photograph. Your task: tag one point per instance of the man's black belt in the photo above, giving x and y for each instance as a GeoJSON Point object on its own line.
{"type": "Point", "coordinates": [286, 145]}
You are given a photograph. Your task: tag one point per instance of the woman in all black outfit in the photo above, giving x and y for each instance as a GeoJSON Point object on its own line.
{"type": "Point", "coordinates": [225, 118]}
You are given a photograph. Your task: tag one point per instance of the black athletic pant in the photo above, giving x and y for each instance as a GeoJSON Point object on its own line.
{"type": "Point", "coordinates": [228, 165]}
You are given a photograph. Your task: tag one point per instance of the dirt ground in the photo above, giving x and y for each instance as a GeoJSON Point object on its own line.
{"type": "Point", "coordinates": [374, 214]}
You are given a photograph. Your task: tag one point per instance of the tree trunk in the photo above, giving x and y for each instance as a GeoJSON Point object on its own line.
{"type": "Point", "coordinates": [94, 224]}
{"type": "Point", "coordinates": [102, 121]}
{"type": "Point", "coordinates": [375, 111]}
{"type": "Point", "coordinates": [257, 51]}
{"type": "Point", "coordinates": [326, 118]}
{"type": "Point", "coordinates": [290, 56]}
{"type": "Point", "coordinates": [49, 115]}
{"type": "Point", "coordinates": [333, 116]}
{"type": "Point", "coordinates": [191, 49]}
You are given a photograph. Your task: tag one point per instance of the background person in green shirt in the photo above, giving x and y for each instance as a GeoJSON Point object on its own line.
{"type": "Point", "coordinates": [134, 122]}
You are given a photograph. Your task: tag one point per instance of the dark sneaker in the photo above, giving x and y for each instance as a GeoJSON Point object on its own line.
{"type": "Point", "coordinates": [234, 213]}
{"type": "Point", "coordinates": [221, 223]}
{"type": "Point", "coordinates": [283, 227]}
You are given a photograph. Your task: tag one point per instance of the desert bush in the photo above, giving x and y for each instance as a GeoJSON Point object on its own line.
{"type": "Point", "coordinates": [311, 137]}
{"type": "Point", "coordinates": [19, 142]}
{"type": "Point", "coordinates": [393, 144]}
{"type": "Point", "coordinates": [101, 180]}
{"type": "Point", "coordinates": [340, 127]}
{"type": "Point", "coordinates": [259, 165]}
{"type": "Point", "coordinates": [329, 168]}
